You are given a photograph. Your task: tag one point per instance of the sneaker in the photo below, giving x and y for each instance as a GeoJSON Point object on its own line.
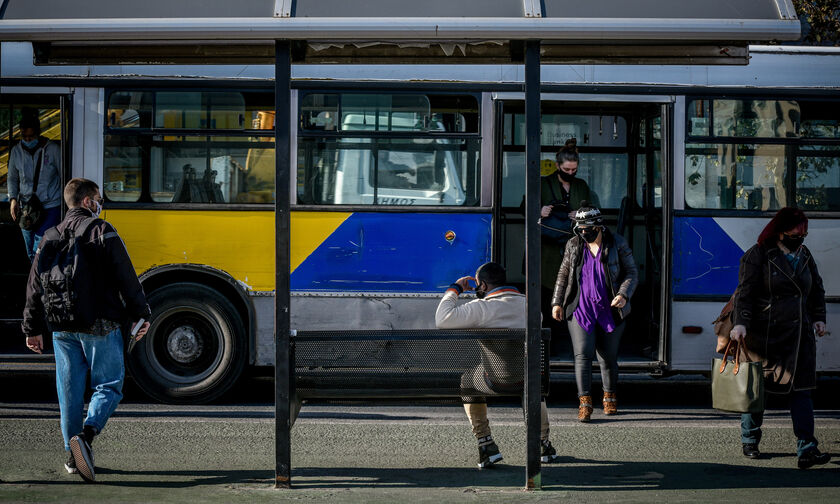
{"type": "Point", "coordinates": [70, 465]}
{"type": "Point", "coordinates": [751, 450]}
{"type": "Point", "coordinates": [83, 455]}
{"type": "Point", "coordinates": [549, 455]}
{"type": "Point", "coordinates": [610, 404]}
{"type": "Point", "coordinates": [585, 408]}
{"type": "Point", "coordinates": [488, 452]}
{"type": "Point", "coordinates": [812, 457]}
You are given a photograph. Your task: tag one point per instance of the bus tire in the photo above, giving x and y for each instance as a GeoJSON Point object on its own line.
{"type": "Point", "coordinates": [196, 347]}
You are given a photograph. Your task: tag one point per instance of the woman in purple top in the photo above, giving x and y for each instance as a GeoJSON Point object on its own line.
{"type": "Point", "coordinates": [596, 280]}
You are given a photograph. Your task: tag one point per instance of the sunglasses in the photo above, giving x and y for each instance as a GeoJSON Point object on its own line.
{"type": "Point", "coordinates": [796, 236]}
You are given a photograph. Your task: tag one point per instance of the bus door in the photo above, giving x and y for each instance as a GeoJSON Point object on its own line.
{"type": "Point", "coordinates": [14, 262]}
{"type": "Point", "coordinates": [619, 140]}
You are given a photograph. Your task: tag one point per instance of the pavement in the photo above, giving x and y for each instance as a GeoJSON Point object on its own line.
{"type": "Point", "coordinates": [401, 452]}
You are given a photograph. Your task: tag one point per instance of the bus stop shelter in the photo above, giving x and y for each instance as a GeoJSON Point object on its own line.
{"type": "Point", "coordinates": [289, 32]}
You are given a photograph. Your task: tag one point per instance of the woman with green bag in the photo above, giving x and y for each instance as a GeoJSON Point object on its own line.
{"type": "Point", "coordinates": [779, 308]}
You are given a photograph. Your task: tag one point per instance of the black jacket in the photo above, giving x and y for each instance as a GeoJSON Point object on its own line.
{"type": "Point", "coordinates": [778, 305]}
{"type": "Point", "coordinates": [114, 284]}
{"type": "Point", "coordinates": [622, 274]}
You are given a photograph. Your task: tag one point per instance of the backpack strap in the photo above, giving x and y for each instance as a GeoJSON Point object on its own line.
{"type": "Point", "coordinates": [80, 231]}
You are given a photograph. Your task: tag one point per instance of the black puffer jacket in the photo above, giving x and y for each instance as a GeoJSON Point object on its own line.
{"type": "Point", "coordinates": [117, 292]}
{"type": "Point", "coordinates": [619, 263]}
{"type": "Point", "coordinates": [779, 305]}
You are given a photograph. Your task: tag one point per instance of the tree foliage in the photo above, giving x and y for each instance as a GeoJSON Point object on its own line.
{"type": "Point", "coordinates": [820, 21]}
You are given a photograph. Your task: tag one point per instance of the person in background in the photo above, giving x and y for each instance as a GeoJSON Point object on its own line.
{"type": "Point", "coordinates": [498, 306]}
{"type": "Point", "coordinates": [594, 285]}
{"type": "Point", "coordinates": [32, 150]}
{"type": "Point", "coordinates": [779, 310]}
{"type": "Point", "coordinates": [560, 192]}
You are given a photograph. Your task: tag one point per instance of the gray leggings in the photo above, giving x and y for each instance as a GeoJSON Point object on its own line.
{"type": "Point", "coordinates": [586, 346]}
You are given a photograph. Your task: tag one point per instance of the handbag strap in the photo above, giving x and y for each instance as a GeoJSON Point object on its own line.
{"type": "Point", "coordinates": [735, 353]}
{"type": "Point", "coordinates": [38, 171]}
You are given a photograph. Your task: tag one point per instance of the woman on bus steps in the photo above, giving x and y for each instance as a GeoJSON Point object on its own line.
{"type": "Point", "coordinates": [560, 192]}
{"type": "Point", "coordinates": [779, 288]}
{"type": "Point", "coordinates": [596, 280]}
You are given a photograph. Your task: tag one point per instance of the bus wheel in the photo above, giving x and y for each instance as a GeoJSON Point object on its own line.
{"type": "Point", "coordinates": [195, 349]}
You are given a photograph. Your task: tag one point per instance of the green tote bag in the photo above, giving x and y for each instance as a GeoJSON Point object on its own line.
{"type": "Point", "coordinates": [737, 386]}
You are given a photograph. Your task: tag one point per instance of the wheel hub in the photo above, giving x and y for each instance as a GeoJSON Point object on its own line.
{"type": "Point", "coordinates": [184, 345]}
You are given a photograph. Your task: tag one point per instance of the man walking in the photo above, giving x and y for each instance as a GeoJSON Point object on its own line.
{"type": "Point", "coordinates": [83, 287]}
{"type": "Point", "coordinates": [501, 307]}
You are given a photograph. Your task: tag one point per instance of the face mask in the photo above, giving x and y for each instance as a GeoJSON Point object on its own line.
{"type": "Point", "coordinates": [479, 292]}
{"type": "Point", "coordinates": [567, 177]}
{"type": "Point", "coordinates": [96, 210]}
{"type": "Point", "coordinates": [30, 144]}
{"type": "Point", "coordinates": [589, 234]}
{"type": "Point", "coordinates": [791, 243]}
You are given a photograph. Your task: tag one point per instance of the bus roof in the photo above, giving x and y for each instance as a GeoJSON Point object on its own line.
{"type": "Point", "coordinates": [392, 30]}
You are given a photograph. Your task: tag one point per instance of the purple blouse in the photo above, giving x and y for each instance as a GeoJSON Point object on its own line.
{"type": "Point", "coordinates": [594, 304]}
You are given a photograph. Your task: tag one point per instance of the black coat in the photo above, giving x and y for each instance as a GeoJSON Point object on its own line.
{"type": "Point", "coordinates": [117, 291]}
{"type": "Point", "coordinates": [622, 274]}
{"type": "Point", "coordinates": [779, 306]}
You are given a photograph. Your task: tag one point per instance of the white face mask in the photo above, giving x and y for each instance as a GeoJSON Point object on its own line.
{"type": "Point", "coordinates": [96, 210]}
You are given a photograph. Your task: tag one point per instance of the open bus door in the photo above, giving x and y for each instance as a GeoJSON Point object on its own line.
{"type": "Point", "coordinates": [14, 263]}
{"type": "Point", "coordinates": [621, 141]}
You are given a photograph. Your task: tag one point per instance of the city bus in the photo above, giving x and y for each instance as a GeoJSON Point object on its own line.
{"type": "Point", "coordinates": [408, 177]}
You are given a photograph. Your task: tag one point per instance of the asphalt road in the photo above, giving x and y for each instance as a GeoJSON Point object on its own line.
{"type": "Point", "coordinates": [665, 446]}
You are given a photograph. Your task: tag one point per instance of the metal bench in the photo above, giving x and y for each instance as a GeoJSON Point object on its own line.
{"type": "Point", "coordinates": [413, 363]}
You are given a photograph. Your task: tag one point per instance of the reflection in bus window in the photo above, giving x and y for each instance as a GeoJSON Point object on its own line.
{"type": "Point", "coordinates": [365, 171]}
{"type": "Point", "coordinates": [818, 182]}
{"type": "Point", "coordinates": [744, 118]}
{"type": "Point", "coordinates": [124, 160]}
{"type": "Point", "coordinates": [736, 176]}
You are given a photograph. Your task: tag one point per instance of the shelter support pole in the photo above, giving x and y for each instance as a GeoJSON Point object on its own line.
{"type": "Point", "coordinates": [532, 268]}
{"type": "Point", "coordinates": [283, 366]}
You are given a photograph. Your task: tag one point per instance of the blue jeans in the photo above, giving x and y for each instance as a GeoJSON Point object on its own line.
{"type": "Point", "coordinates": [802, 415]}
{"type": "Point", "coordinates": [52, 216]}
{"type": "Point", "coordinates": [75, 355]}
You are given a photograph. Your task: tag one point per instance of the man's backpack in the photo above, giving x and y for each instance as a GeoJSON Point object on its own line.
{"type": "Point", "coordinates": [65, 268]}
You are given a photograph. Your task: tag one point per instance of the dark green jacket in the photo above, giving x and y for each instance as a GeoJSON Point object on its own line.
{"type": "Point", "coordinates": [552, 250]}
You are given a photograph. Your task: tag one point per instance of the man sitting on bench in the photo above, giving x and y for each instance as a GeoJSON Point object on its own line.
{"type": "Point", "coordinates": [500, 307]}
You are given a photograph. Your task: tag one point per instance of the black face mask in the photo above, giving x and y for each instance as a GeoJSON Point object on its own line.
{"type": "Point", "coordinates": [479, 292]}
{"type": "Point", "coordinates": [792, 244]}
{"type": "Point", "coordinates": [589, 234]}
{"type": "Point", "coordinates": [566, 177]}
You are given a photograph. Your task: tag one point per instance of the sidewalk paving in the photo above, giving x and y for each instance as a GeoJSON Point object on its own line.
{"type": "Point", "coordinates": [383, 453]}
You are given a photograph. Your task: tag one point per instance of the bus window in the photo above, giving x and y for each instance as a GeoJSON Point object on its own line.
{"type": "Point", "coordinates": [124, 160]}
{"type": "Point", "coordinates": [388, 149]}
{"type": "Point", "coordinates": [160, 163]}
{"type": "Point", "coordinates": [366, 171]}
{"type": "Point", "coordinates": [744, 118]}
{"type": "Point", "coordinates": [818, 182]}
{"type": "Point", "coordinates": [725, 172]}
{"type": "Point", "coordinates": [736, 176]}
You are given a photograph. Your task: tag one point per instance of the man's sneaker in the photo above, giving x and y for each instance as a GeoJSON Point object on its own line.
{"type": "Point", "coordinates": [83, 455]}
{"type": "Point", "coordinates": [70, 465]}
{"type": "Point", "coordinates": [751, 450]}
{"type": "Point", "coordinates": [549, 455]}
{"type": "Point", "coordinates": [488, 452]}
{"type": "Point", "coordinates": [812, 457]}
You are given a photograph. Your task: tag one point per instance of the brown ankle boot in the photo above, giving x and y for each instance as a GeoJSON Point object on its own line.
{"type": "Point", "coordinates": [610, 403]}
{"type": "Point", "coordinates": [585, 408]}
